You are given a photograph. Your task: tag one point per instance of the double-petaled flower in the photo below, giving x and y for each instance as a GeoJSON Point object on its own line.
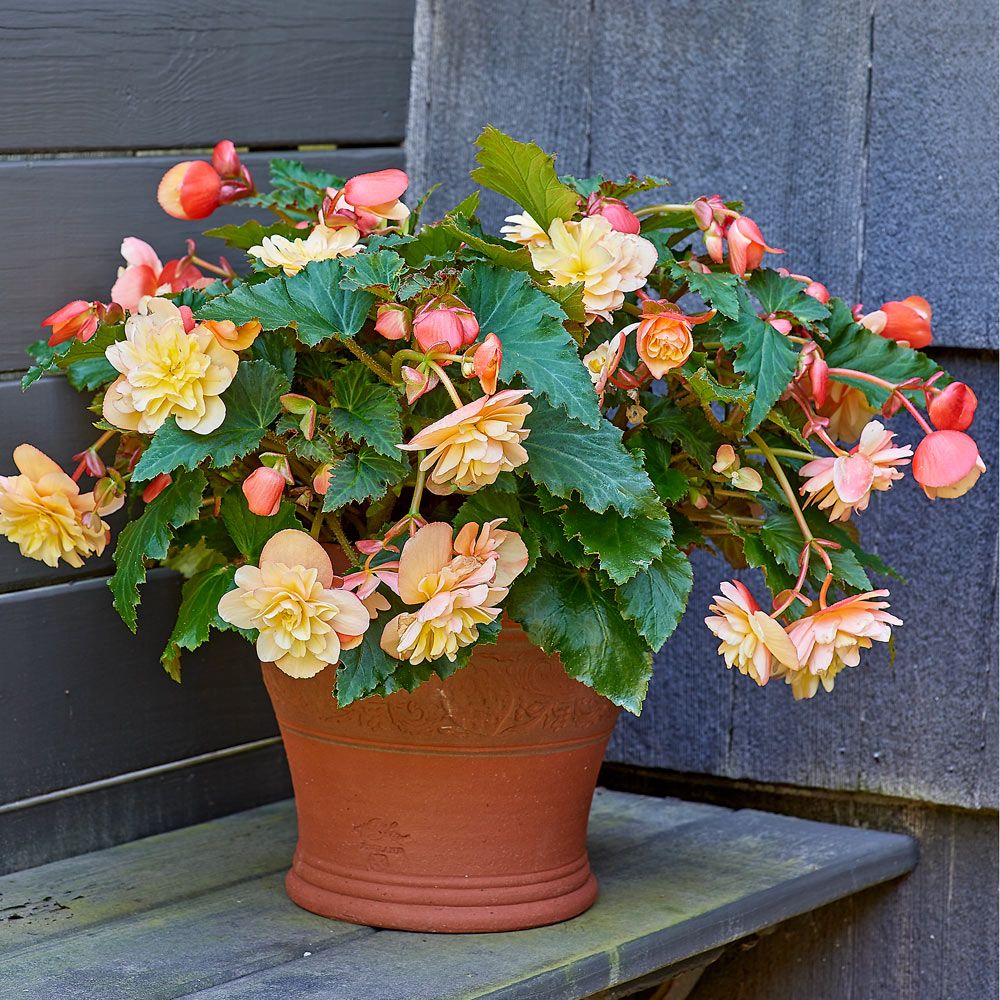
{"type": "Point", "coordinates": [303, 622]}
{"type": "Point", "coordinates": [602, 362]}
{"type": "Point", "coordinates": [663, 338]}
{"type": "Point", "coordinates": [323, 243]}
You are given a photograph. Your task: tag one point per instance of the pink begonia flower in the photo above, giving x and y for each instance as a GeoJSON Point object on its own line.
{"type": "Point", "coordinates": [470, 447]}
{"type": "Point", "coordinates": [190, 190]}
{"type": "Point", "coordinates": [77, 319]}
{"type": "Point", "coordinates": [954, 408]}
{"type": "Point", "coordinates": [845, 484]}
{"type": "Point", "coordinates": [454, 593]}
{"type": "Point", "coordinates": [393, 321]}
{"type": "Point", "coordinates": [486, 361]}
{"type": "Point", "coordinates": [263, 489]}
{"type": "Point", "coordinates": [303, 623]}
{"type": "Point", "coordinates": [236, 180]}
{"type": "Point", "coordinates": [907, 322]}
{"type": "Point", "coordinates": [713, 220]}
{"type": "Point", "coordinates": [832, 638]}
{"type": "Point", "coordinates": [663, 338]}
{"type": "Point", "coordinates": [751, 640]}
{"type": "Point", "coordinates": [947, 464]}
{"type": "Point", "coordinates": [746, 245]}
{"type": "Point", "coordinates": [615, 211]}
{"type": "Point", "coordinates": [367, 201]}
{"type": "Point", "coordinates": [602, 362]}
{"type": "Point", "coordinates": [143, 275]}
{"type": "Point", "coordinates": [445, 323]}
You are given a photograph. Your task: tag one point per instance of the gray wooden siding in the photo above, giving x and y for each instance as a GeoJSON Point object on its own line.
{"type": "Point", "coordinates": [97, 744]}
{"type": "Point", "coordinates": [862, 135]}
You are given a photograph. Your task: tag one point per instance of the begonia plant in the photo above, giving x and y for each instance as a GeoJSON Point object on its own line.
{"type": "Point", "coordinates": [374, 436]}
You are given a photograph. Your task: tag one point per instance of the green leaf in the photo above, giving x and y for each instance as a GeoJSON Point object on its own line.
{"type": "Point", "coordinates": [623, 545]}
{"type": "Point", "coordinates": [46, 360]}
{"type": "Point", "coordinates": [251, 404]}
{"type": "Point", "coordinates": [363, 475]}
{"type": "Point", "coordinates": [764, 355]}
{"type": "Point", "coordinates": [380, 271]}
{"type": "Point", "coordinates": [276, 348]}
{"type": "Point", "coordinates": [760, 557]}
{"type": "Point", "coordinates": [311, 302]}
{"type": "Point", "coordinates": [565, 457]}
{"type": "Point", "coordinates": [717, 288]}
{"type": "Point", "coordinates": [709, 390]}
{"type": "Point", "coordinates": [252, 233]}
{"type": "Point", "coordinates": [655, 598]}
{"type": "Point", "coordinates": [670, 484]}
{"type": "Point", "coordinates": [366, 668]}
{"type": "Point", "coordinates": [845, 567]}
{"type": "Point", "coordinates": [85, 364]}
{"type": "Point", "coordinates": [778, 294]}
{"type": "Point", "coordinates": [783, 538]}
{"type": "Point", "coordinates": [197, 615]}
{"type": "Point", "coordinates": [544, 523]}
{"type": "Point", "coordinates": [496, 252]}
{"type": "Point", "coordinates": [249, 531]}
{"type": "Point", "coordinates": [365, 410]}
{"type": "Point", "coordinates": [565, 611]}
{"type": "Point", "coordinates": [294, 185]}
{"type": "Point", "coordinates": [525, 174]}
{"type": "Point", "coordinates": [853, 346]}
{"type": "Point", "coordinates": [688, 427]}
{"type": "Point", "coordinates": [535, 342]}
{"type": "Point", "coordinates": [148, 537]}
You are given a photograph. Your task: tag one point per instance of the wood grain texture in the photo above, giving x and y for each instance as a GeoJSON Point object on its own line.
{"type": "Point", "coordinates": [162, 75]}
{"type": "Point", "coordinates": [931, 218]}
{"type": "Point", "coordinates": [719, 875]}
{"type": "Point", "coordinates": [522, 66]}
{"type": "Point", "coordinates": [924, 728]}
{"type": "Point", "coordinates": [62, 241]}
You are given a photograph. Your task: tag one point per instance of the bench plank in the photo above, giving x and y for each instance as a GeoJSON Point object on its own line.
{"type": "Point", "coordinates": [678, 880]}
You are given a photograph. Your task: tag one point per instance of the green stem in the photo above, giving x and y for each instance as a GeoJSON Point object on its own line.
{"type": "Point", "coordinates": [786, 486]}
{"type": "Point", "coordinates": [418, 486]}
{"type": "Point", "coordinates": [447, 383]}
{"type": "Point", "coordinates": [648, 210]}
{"type": "Point", "coordinates": [369, 362]}
{"type": "Point", "coordinates": [784, 453]}
{"type": "Point", "coordinates": [337, 530]}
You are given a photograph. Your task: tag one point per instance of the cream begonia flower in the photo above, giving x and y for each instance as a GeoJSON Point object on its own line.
{"type": "Point", "coordinates": [832, 638]}
{"type": "Point", "coordinates": [167, 373]}
{"type": "Point", "coordinates": [323, 243]}
{"type": "Point", "coordinates": [751, 640]}
{"type": "Point", "coordinates": [524, 230]}
{"type": "Point", "coordinates": [456, 592]}
{"type": "Point", "coordinates": [602, 362]}
{"type": "Point", "coordinates": [43, 512]}
{"type": "Point", "coordinates": [303, 624]}
{"type": "Point", "coordinates": [607, 262]}
{"type": "Point", "coordinates": [847, 409]}
{"type": "Point", "coordinates": [845, 484]}
{"type": "Point", "coordinates": [469, 448]}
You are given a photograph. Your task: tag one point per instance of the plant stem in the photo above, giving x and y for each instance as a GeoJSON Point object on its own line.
{"type": "Point", "coordinates": [205, 266]}
{"type": "Point", "coordinates": [368, 361]}
{"type": "Point", "coordinates": [418, 486]}
{"type": "Point", "coordinates": [447, 383]}
{"type": "Point", "coordinates": [337, 530]}
{"type": "Point", "coordinates": [648, 210]}
{"type": "Point", "coordinates": [883, 384]}
{"type": "Point", "coordinates": [317, 525]}
{"type": "Point", "coordinates": [786, 486]}
{"type": "Point", "coordinates": [783, 452]}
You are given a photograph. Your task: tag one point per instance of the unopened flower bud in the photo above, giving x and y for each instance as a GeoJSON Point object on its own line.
{"type": "Point", "coordinates": [747, 245]}
{"type": "Point", "coordinates": [445, 322]}
{"type": "Point", "coordinates": [263, 489]}
{"type": "Point", "coordinates": [302, 406]}
{"type": "Point", "coordinates": [954, 408]}
{"type": "Point", "coordinates": [393, 321]}
{"type": "Point", "coordinates": [156, 486]}
{"type": "Point", "coordinates": [190, 190]}
{"type": "Point", "coordinates": [278, 462]}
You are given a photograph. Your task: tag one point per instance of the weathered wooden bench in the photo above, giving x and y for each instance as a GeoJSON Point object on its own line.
{"type": "Point", "coordinates": [201, 912]}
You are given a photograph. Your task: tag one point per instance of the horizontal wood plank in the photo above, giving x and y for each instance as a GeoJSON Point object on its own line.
{"type": "Point", "coordinates": [157, 76]}
{"type": "Point", "coordinates": [64, 220]}
{"type": "Point", "coordinates": [678, 880]}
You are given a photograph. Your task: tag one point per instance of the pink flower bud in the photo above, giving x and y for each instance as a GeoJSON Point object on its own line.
{"type": "Point", "coordinates": [954, 408]}
{"type": "Point", "coordinates": [615, 211]}
{"type": "Point", "coordinates": [375, 189]}
{"type": "Point", "coordinates": [417, 382]}
{"type": "Point", "coordinates": [263, 489]}
{"type": "Point", "coordinates": [815, 289]}
{"type": "Point", "coordinates": [190, 190]}
{"type": "Point", "coordinates": [77, 319]}
{"type": "Point", "coordinates": [187, 318]}
{"type": "Point", "coordinates": [321, 480]}
{"type": "Point", "coordinates": [445, 323]}
{"type": "Point", "coordinates": [226, 160]}
{"type": "Point", "coordinates": [819, 381]}
{"type": "Point", "coordinates": [746, 246]}
{"type": "Point", "coordinates": [393, 321]}
{"type": "Point", "coordinates": [709, 210]}
{"type": "Point", "coordinates": [486, 362]}
{"type": "Point", "coordinates": [908, 322]}
{"type": "Point", "coordinates": [156, 486]}
{"type": "Point", "coordinates": [947, 464]}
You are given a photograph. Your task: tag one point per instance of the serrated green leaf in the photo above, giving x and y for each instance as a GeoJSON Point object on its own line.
{"type": "Point", "coordinates": [670, 484]}
{"type": "Point", "coordinates": [623, 545]}
{"type": "Point", "coordinates": [565, 457]}
{"type": "Point", "coordinates": [85, 363]}
{"type": "Point", "coordinates": [296, 189]}
{"type": "Point", "coordinates": [524, 173]}
{"type": "Point", "coordinates": [362, 475]}
{"type": "Point", "coordinates": [311, 302]}
{"type": "Point", "coordinates": [718, 288]}
{"type": "Point", "coordinates": [380, 271]}
{"type": "Point", "coordinates": [853, 346]}
{"type": "Point", "coordinates": [46, 359]}
{"type": "Point", "coordinates": [251, 404]}
{"type": "Point", "coordinates": [764, 355]}
{"type": "Point", "coordinates": [845, 567]}
{"type": "Point", "coordinates": [565, 611]}
{"type": "Point", "coordinates": [495, 252]}
{"type": "Point", "coordinates": [543, 521]}
{"type": "Point", "coordinates": [688, 427]}
{"type": "Point", "coordinates": [535, 342]}
{"type": "Point", "coordinates": [249, 531]}
{"type": "Point", "coordinates": [365, 410]}
{"type": "Point", "coordinates": [276, 348]}
{"type": "Point", "coordinates": [778, 294]}
{"type": "Point", "coordinates": [655, 598]}
{"type": "Point", "coordinates": [781, 534]}
{"type": "Point", "coordinates": [197, 615]}
{"type": "Point", "coordinates": [367, 667]}
{"type": "Point", "coordinates": [148, 537]}
{"type": "Point", "coordinates": [252, 233]}
{"type": "Point", "coordinates": [709, 390]}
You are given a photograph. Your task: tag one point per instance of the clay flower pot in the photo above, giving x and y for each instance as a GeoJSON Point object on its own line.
{"type": "Point", "coordinates": [460, 807]}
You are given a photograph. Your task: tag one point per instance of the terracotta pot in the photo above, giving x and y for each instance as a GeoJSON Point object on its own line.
{"type": "Point", "coordinates": [460, 807]}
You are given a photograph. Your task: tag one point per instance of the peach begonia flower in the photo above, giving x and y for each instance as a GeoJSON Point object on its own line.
{"type": "Point", "coordinates": [167, 373]}
{"type": "Point", "coordinates": [751, 640]}
{"type": "Point", "coordinates": [470, 447]}
{"type": "Point", "coordinates": [947, 464]}
{"type": "Point", "coordinates": [524, 230]}
{"type": "Point", "coordinates": [483, 362]}
{"type": "Point", "coordinates": [832, 638]}
{"type": "Point", "coordinates": [907, 322]}
{"type": "Point", "coordinates": [747, 245]}
{"type": "Point", "coordinates": [845, 484]}
{"type": "Point", "coordinates": [608, 263]}
{"type": "Point", "coordinates": [847, 410]}
{"type": "Point", "coordinates": [367, 201]}
{"type": "Point", "coordinates": [663, 339]}
{"type": "Point", "coordinates": [231, 336]}
{"type": "Point", "coordinates": [43, 512]}
{"type": "Point", "coordinates": [455, 593]}
{"type": "Point", "coordinates": [143, 274]}
{"type": "Point", "coordinates": [322, 243]}
{"type": "Point", "coordinates": [303, 623]}
{"type": "Point", "coordinates": [79, 319]}
{"type": "Point", "coordinates": [727, 463]}
{"type": "Point", "coordinates": [602, 362]}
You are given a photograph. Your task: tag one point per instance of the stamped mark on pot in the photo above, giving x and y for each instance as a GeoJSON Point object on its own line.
{"type": "Point", "coordinates": [381, 842]}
